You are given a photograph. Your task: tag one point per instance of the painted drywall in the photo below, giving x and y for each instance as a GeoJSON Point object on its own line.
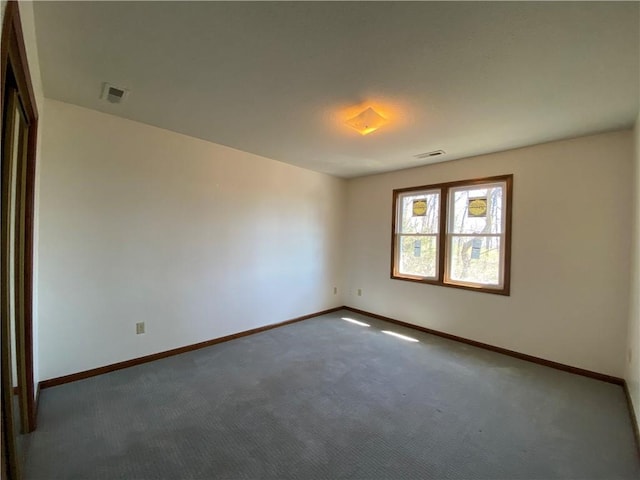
{"type": "Point", "coordinates": [571, 242]}
{"type": "Point", "coordinates": [197, 240]}
{"type": "Point", "coordinates": [633, 349]}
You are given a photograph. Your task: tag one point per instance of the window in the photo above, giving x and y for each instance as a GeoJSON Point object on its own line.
{"type": "Point", "coordinates": [454, 234]}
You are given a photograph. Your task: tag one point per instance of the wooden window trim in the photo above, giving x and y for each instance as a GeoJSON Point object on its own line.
{"type": "Point", "coordinates": [442, 246]}
{"type": "Point", "coordinates": [439, 235]}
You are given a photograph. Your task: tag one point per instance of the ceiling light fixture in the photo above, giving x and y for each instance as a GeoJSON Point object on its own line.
{"type": "Point", "coordinates": [367, 121]}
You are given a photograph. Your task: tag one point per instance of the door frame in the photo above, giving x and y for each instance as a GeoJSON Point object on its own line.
{"type": "Point", "coordinates": [15, 74]}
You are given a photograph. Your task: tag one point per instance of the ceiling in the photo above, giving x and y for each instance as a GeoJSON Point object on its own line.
{"type": "Point", "coordinates": [279, 79]}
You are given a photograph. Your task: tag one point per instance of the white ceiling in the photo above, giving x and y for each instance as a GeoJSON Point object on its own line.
{"type": "Point", "coordinates": [274, 78]}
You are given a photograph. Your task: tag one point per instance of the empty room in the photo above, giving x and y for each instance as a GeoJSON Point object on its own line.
{"type": "Point", "coordinates": [320, 240]}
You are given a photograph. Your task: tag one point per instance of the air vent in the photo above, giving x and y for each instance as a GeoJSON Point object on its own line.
{"type": "Point", "coordinates": [435, 153]}
{"type": "Point", "coordinates": [113, 94]}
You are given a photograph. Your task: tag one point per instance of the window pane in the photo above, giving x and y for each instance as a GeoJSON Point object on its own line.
{"type": "Point", "coordinates": [475, 259]}
{"type": "Point", "coordinates": [418, 255]}
{"type": "Point", "coordinates": [420, 213]}
{"type": "Point", "coordinates": [477, 209]}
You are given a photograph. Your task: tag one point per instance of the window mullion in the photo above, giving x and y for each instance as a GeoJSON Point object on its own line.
{"type": "Point", "coordinates": [418, 234]}
{"type": "Point", "coordinates": [476, 235]}
{"type": "Point", "coordinates": [442, 232]}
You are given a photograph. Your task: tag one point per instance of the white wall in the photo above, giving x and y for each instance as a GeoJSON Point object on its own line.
{"type": "Point", "coordinates": [570, 253]}
{"type": "Point", "coordinates": [195, 239]}
{"type": "Point", "coordinates": [633, 350]}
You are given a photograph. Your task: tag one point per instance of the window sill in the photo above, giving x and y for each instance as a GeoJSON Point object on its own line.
{"type": "Point", "coordinates": [503, 291]}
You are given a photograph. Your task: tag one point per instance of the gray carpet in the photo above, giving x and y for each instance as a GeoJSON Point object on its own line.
{"type": "Point", "coordinates": [327, 399]}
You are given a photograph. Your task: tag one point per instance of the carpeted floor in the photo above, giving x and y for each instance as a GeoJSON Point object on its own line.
{"type": "Point", "coordinates": [328, 399]}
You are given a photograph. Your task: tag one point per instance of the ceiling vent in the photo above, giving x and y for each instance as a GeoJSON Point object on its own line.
{"type": "Point", "coordinates": [113, 94]}
{"type": "Point", "coordinates": [435, 153]}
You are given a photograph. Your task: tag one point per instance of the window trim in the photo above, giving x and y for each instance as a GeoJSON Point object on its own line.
{"type": "Point", "coordinates": [444, 234]}
{"type": "Point", "coordinates": [396, 253]}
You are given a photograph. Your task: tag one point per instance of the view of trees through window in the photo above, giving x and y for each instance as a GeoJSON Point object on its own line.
{"type": "Point", "coordinates": [475, 234]}
{"type": "Point", "coordinates": [419, 239]}
{"type": "Point", "coordinates": [473, 252]}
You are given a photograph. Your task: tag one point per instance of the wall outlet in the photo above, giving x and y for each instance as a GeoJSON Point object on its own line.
{"type": "Point", "coordinates": [359, 292]}
{"type": "Point", "coordinates": [139, 328]}
{"type": "Point", "coordinates": [335, 290]}
{"type": "Point", "coordinates": [629, 355]}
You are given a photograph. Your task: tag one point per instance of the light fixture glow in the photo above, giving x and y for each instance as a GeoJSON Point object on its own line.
{"type": "Point", "coordinates": [403, 337]}
{"type": "Point", "coordinates": [356, 322]}
{"type": "Point", "coordinates": [367, 121]}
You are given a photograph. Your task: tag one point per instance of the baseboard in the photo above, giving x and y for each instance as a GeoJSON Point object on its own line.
{"type": "Point", "coordinates": [632, 414]}
{"type": "Point", "coordinates": [493, 348]}
{"type": "Point", "coordinates": [52, 382]}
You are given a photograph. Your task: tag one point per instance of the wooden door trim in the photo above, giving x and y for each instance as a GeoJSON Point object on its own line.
{"type": "Point", "coordinates": [15, 74]}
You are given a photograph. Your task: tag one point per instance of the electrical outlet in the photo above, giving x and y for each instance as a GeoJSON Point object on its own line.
{"type": "Point", "coordinates": [335, 290]}
{"type": "Point", "coordinates": [359, 292]}
{"type": "Point", "coordinates": [629, 355]}
{"type": "Point", "coordinates": [139, 328]}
